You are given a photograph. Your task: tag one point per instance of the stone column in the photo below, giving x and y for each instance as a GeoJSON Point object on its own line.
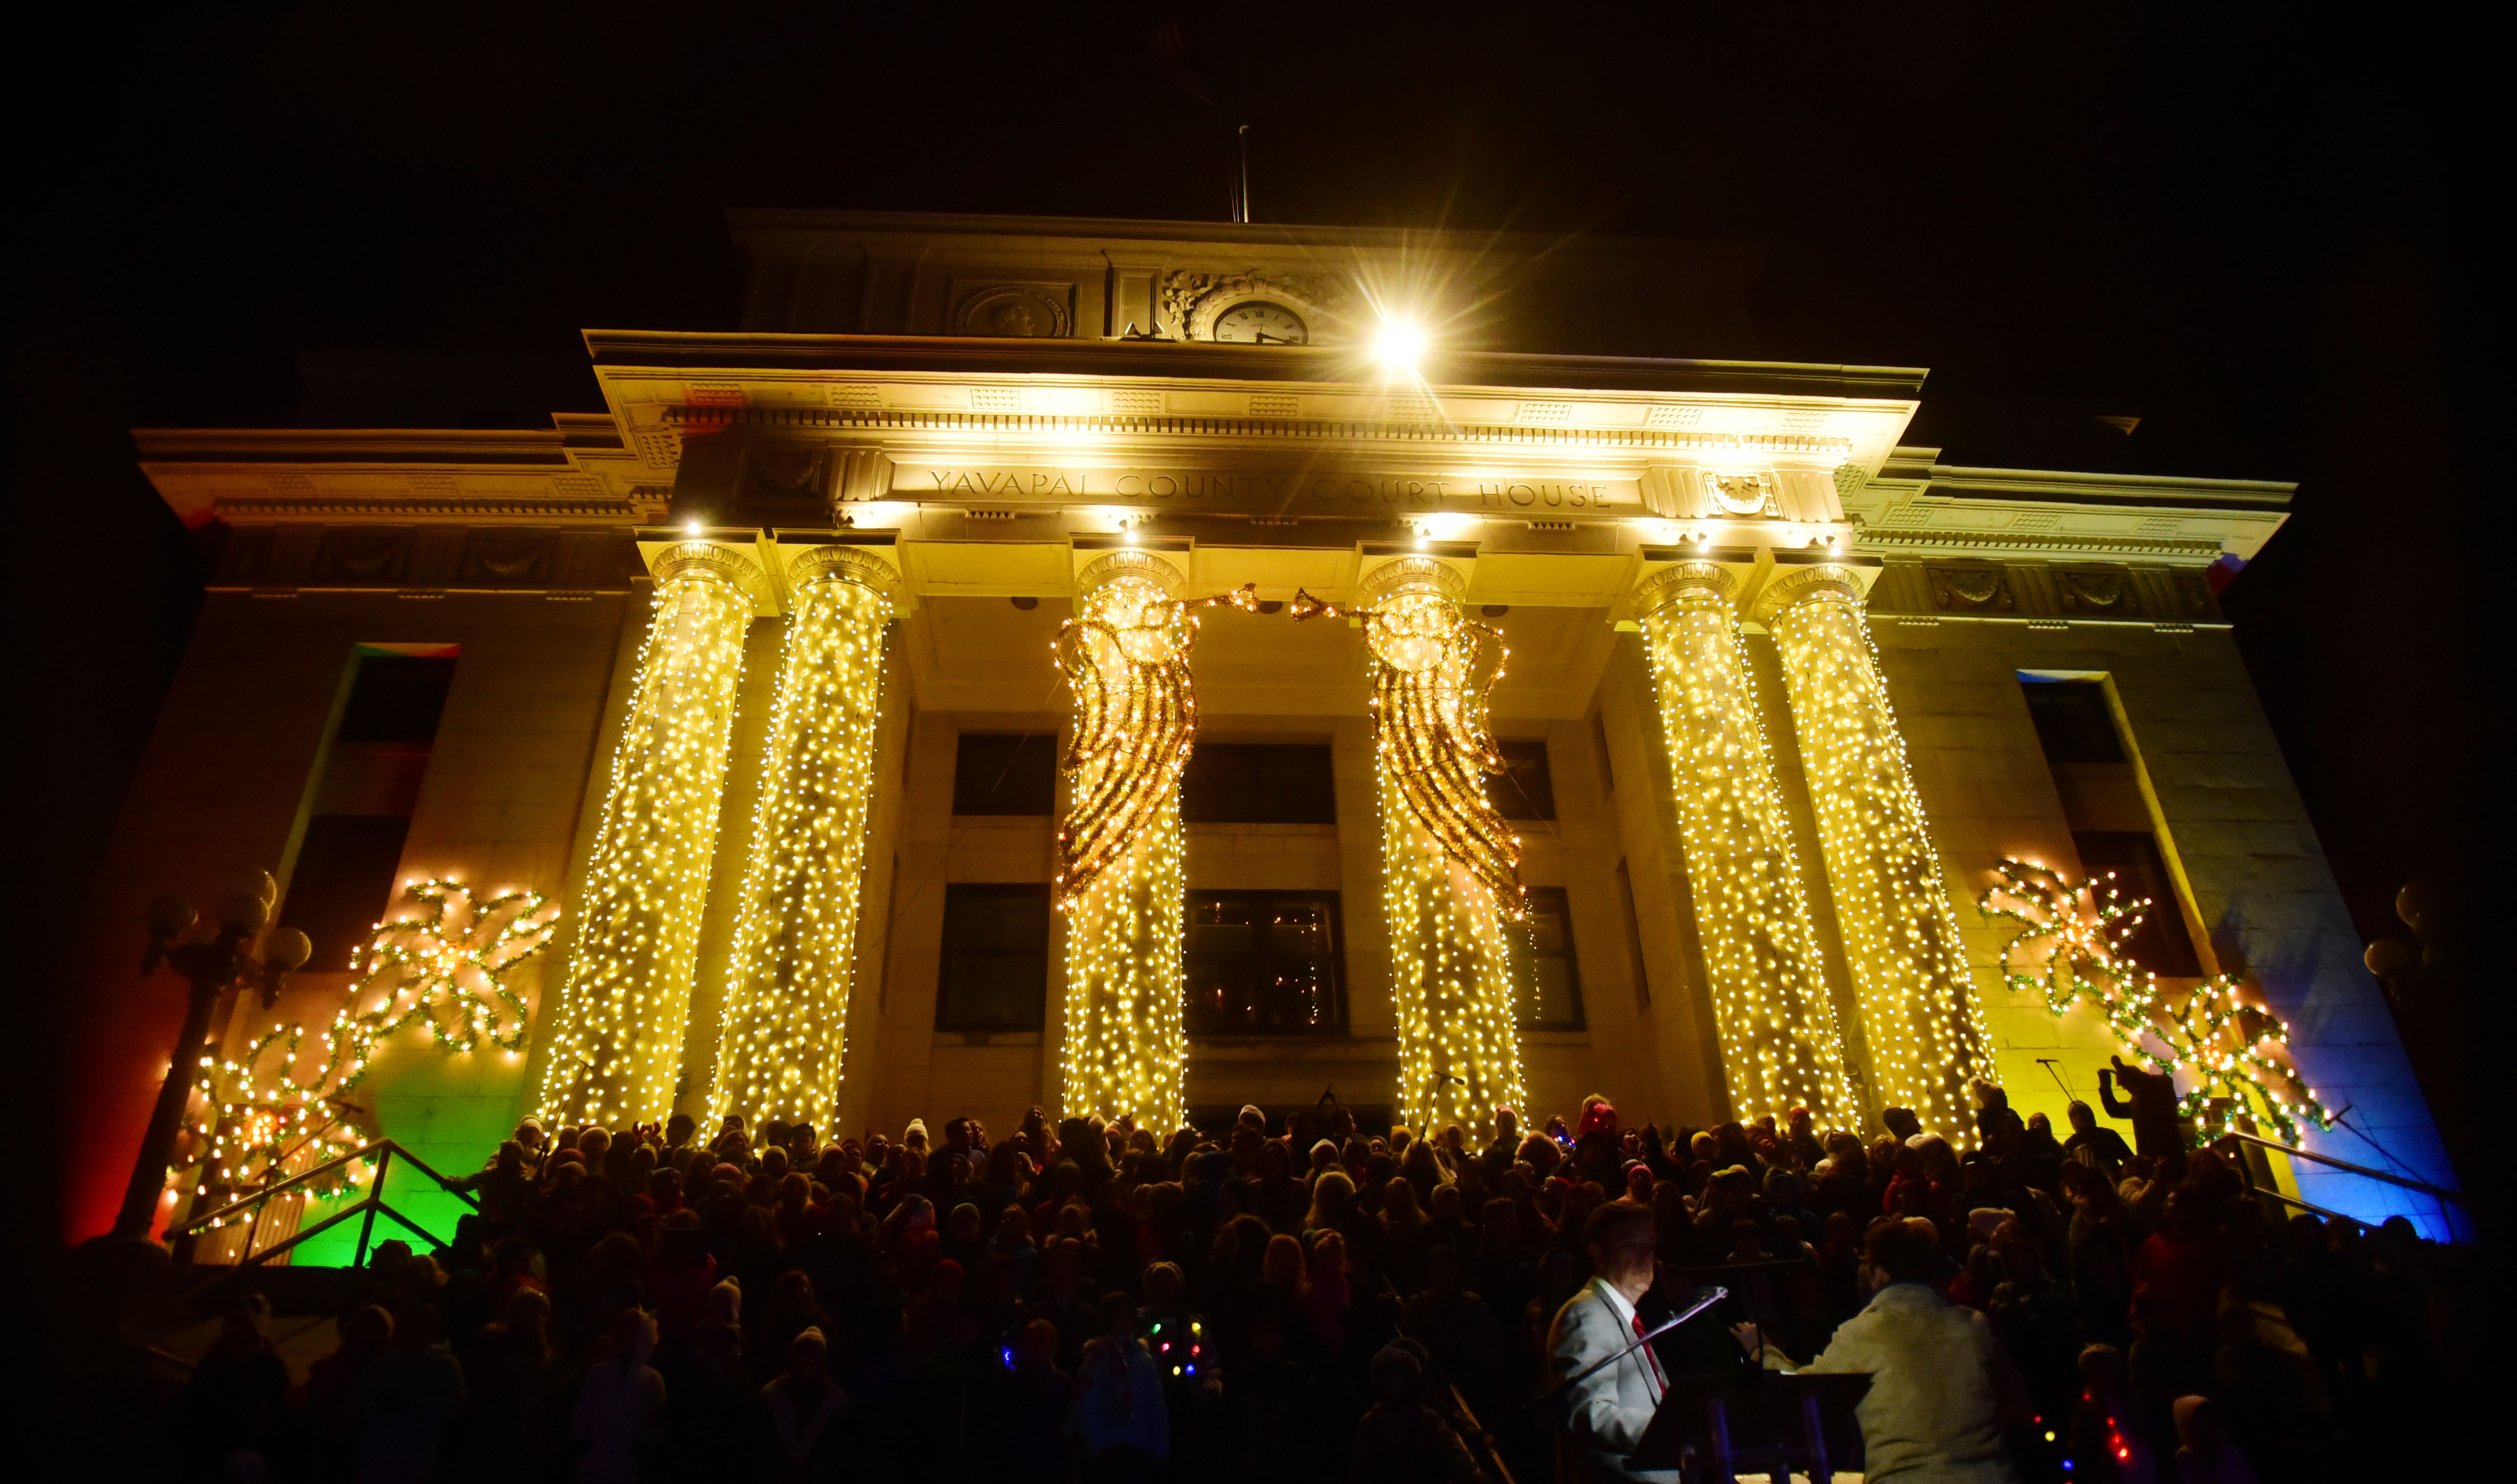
{"type": "Point", "coordinates": [785, 1023]}
{"type": "Point", "coordinates": [1450, 868]}
{"type": "Point", "coordinates": [1901, 934]}
{"type": "Point", "coordinates": [616, 1042]}
{"type": "Point", "coordinates": [1780, 1045]}
{"type": "Point", "coordinates": [1121, 882]}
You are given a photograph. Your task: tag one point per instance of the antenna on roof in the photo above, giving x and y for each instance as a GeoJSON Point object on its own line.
{"type": "Point", "coordinates": [1241, 197]}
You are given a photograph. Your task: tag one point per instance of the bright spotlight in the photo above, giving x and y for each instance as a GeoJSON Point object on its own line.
{"type": "Point", "coordinates": [1400, 345]}
{"type": "Point", "coordinates": [693, 528]}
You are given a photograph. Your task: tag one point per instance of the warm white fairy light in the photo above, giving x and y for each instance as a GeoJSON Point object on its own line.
{"type": "Point", "coordinates": [441, 966]}
{"type": "Point", "coordinates": [2231, 1054]}
{"type": "Point", "coordinates": [1780, 1043]}
{"type": "Point", "coordinates": [794, 939]}
{"type": "Point", "coordinates": [1121, 883]}
{"type": "Point", "coordinates": [617, 1051]}
{"type": "Point", "coordinates": [1919, 1016]}
{"type": "Point", "coordinates": [1450, 867]}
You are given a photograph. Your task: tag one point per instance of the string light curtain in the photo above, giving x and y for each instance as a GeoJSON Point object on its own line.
{"type": "Point", "coordinates": [1918, 1010]}
{"type": "Point", "coordinates": [1121, 881]}
{"type": "Point", "coordinates": [626, 1006]}
{"type": "Point", "coordinates": [1780, 1043]}
{"type": "Point", "coordinates": [789, 978]}
{"type": "Point", "coordinates": [1450, 868]}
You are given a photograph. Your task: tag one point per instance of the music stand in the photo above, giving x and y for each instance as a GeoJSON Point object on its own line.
{"type": "Point", "coordinates": [1764, 1417]}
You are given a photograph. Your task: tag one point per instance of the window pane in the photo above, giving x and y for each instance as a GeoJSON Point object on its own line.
{"type": "Point", "coordinates": [1547, 986]}
{"type": "Point", "coordinates": [995, 971]}
{"type": "Point", "coordinates": [342, 883]}
{"type": "Point", "coordinates": [1261, 964]}
{"type": "Point", "coordinates": [1258, 783]}
{"type": "Point", "coordinates": [996, 774]}
{"type": "Point", "coordinates": [1524, 790]}
{"type": "Point", "coordinates": [396, 697]}
{"type": "Point", "coordinates": [2074, 721]}
{"type": "Point", "coordinates": [2162, 944]}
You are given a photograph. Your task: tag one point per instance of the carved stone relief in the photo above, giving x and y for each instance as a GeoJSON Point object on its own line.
{"type": "Point", "coordinates": [1741, 494]}
{"type": "Point", "coordinates": [1191, 302]}
{"type": "Point", "coordinates": [774, 473]}
{"type": "Point", "coordinates": [364, 556]}
{"type": "Point", "coordinates": [2099, 593]}
{"type": "Point", "coordinates": [1017, 311]}
{"type": "Point", "coordinates": [1971, 589]}
{"type": "Point", "coordinates": [496, 559]}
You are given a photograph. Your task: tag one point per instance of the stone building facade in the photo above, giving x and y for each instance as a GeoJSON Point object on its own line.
{"type": "Point", "coordinates": [421, 657]}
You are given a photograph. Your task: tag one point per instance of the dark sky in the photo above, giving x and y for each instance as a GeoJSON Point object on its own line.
{"type": "Point", "coordinates": [2250, 226]}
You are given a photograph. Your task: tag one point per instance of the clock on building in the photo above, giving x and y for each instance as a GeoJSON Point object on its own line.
{"type": "Point", "coordinates": [1262, 323]}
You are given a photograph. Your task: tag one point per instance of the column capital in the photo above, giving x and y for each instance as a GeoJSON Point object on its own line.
{"type": "Point", "coordinates": [1687, 582]}
{"type": "Point", "coordinates": [727, 564]}
{"type": "Point", "coordinates": [1791, 586]}
{"type": "Point", "coordinates": [1132, 566]}
{"type": "Point", "coordinates": [849, 564]}
{"type": "Point", "coordinates": [1433, 572]}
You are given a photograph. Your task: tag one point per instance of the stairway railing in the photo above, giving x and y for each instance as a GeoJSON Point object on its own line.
{"type": "Point", "coordinates": [367, 1208]}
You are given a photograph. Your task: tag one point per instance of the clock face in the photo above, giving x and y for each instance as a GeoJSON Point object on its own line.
{"type": "Point", "coordinates": [1262, 323]}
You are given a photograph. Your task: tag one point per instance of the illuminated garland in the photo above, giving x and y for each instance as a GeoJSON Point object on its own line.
{"type": "Point", "coordinates": [2226, 1047]}
{"type": "Point", "coordinates": [442, 967]}
{"type": "Point", "coordinates": [785, 1029]}
{"type": "Point", "coordinates": [1901, 936]}
{"type": "Point", "coordinates": [1120, 880]}
{"type": "Point", "coordinates": [1780, 1045]}
{"type": "Point", "coordinates": [1450, 867]}
{"type": "Point", "coordinates": [617, 1052]}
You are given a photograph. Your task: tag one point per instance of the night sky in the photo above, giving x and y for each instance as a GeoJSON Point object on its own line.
{"type": "Point", "coordinates": [2255, 230]}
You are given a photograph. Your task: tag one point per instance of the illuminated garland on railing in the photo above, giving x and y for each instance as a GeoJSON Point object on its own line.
{"type": "Point", "coordinates": [1120, 880]}
{"type": "Point", "coordinates": [616, 1047]}
{"type": "Point", "coordinates": [1919, 1015]}
{"type": "Point", "coordinates": [442, 967]}
{"type": "Point", "coordinates": [794, 940]}
{"type": "Point", "coordinates": [2224, 1048]}
{"type": "Point", "coordinates": [1780, 1045]}
{"type": "Point", "coordinates": [1450, 866]}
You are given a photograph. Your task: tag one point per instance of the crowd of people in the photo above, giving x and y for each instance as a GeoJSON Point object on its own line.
{"type": "Point", "coordinates": [1304, 1297]}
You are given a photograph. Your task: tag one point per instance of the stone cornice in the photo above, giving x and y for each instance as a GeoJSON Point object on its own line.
{"type": "Point", "coordinates": [1457, 373]}
{"type": "Point", "coordinates": [1682, 444]}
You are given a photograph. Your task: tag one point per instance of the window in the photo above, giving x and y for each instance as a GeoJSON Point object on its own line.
{"type": "Point", "coordinates": [1524, 792]}
{"type": "Point", "coordinates": [2160, 945]}
{"type": "Point", "coordinates": [1000, 774]}
{"type": "Point", "coordinates": [1258, 783]}
{"type": "Point", "coordinates": [1634, 925]}
{"type": "Point", "coordinates": [344, 878]}
{"type": "Point", "coordinates": [995, 971]}
{"type": "Point", "coordinates": [342, 884]}
{"type": "Point", "coordinates": [1545, 981]}
{"type": "Point", "coordinates": [1263, 964]}
{"type": "Point", "coordinates": [2073, 720]}
{"type": "Point", "coordinates": [396, 698]}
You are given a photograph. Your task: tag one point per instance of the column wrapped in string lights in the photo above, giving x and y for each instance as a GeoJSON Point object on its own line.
{"type": "Point", "coordinates": [1121, 881]}
{"type": "Point", "coordinates": [1450, 868]}
{"type": "Point", "coordinates": [789, 978]}
{"type": "Point", "coordinates": [1901, 933]}
{"type": "Point", "coordinates": [626, 1009]}
{"type": "Point", "coordinates": [1780, 1043]}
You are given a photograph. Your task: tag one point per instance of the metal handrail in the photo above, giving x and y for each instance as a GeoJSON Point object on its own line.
{"type": "Point", "coordinates": [2404, 1181]}
{"type": "Point", "coordinates": [367, 1207]}
{"type": "Point", "coordinates": [2305, 1206]}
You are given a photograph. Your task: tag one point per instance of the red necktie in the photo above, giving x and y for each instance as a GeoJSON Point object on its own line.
{"type": "Point", "coordinates": [1660, 1383]}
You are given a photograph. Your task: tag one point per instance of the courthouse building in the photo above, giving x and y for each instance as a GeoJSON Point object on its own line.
{"type": "Point", "coordinates": [763, 677]}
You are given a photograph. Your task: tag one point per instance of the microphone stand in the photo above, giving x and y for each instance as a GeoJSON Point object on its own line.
{"type": "Point", "coordinates": [1710, 1296]}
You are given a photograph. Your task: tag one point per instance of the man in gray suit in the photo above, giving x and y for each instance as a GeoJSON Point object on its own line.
{"type": "Point", "coordinates": [1607, 1412]}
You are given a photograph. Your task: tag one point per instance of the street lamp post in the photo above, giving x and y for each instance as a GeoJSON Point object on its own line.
{"type": "Point", "coordinates": [211, 967]}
